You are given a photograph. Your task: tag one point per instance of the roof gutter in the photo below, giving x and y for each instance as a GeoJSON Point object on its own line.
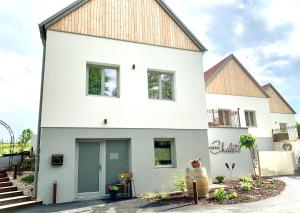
{"type": "Point", "coordinates": [37, 161]}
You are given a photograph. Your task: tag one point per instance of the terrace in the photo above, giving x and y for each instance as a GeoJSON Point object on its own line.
{"type": "Point", "coordinates": [224, 118]}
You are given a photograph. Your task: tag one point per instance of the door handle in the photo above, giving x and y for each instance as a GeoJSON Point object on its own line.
{"type": "Point", "coordinates": [100, 167]}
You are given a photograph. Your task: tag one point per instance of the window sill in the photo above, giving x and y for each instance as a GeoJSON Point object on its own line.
{"type": "Point", "coordinates": [165, 167]}
{"type": "Point", "coordinates": [165, 100]}
{"type": "Point", "coordinates": [102, 96]}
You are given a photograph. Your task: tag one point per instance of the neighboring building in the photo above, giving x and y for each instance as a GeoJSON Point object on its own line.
{"type": "Point", "coordinates": [236, 104]}
{"type": "Point", "coordinates": [282, 114]}
{"type": "Point", "coordinates": [122, 90]}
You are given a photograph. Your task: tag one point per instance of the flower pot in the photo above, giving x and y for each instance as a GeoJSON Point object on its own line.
{"type": "Point", "coordinates": [196, 164]}
{"type": "Point", "coordinates": [113, 195]}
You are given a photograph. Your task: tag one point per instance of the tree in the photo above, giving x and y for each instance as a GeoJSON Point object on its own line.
{"type": "Point", "coordinates": [25, 138]}
{"type": "Point", "coordinates": [247, 141]}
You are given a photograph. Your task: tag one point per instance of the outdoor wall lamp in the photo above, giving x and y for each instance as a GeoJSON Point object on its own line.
{"type": "Point", "coordinates": [133, 66]}
{"type": "Point", "coordinates": [105, 121]}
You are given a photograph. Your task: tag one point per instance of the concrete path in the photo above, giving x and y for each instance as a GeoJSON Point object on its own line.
{"type": "Point", "coordinates": [288, 202]}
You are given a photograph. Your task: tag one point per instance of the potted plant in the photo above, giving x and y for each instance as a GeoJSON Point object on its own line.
{"type": "Point", "coordinates": [122, 178]}
{"type": "Point", "coordinates": [113, 192]}
{"type": "Point", "coordinates": [196, 163]}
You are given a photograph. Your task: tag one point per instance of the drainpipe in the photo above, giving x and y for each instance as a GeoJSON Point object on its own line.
{"type": "Point", "coordinates": [37, 161]}
{"type": "Point", "coordinates": [239, 117]}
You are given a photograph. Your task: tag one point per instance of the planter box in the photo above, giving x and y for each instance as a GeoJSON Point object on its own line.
{"type": "Point", "coordinates": [281, 136]}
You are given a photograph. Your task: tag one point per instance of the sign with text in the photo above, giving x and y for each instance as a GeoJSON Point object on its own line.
{"type": "Point", "coordinates": [217, 147]}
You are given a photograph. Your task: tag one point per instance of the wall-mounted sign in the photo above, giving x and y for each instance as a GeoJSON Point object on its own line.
{"type": "Point", "coordinates": [217, 147]}
{"type": "Point", "coordinates": [287, 147]}
{"type": "Point", "coordinates": [114, 156]}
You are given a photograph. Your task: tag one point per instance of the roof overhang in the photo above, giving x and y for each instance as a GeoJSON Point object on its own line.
{"type": "Point", "coordinates": [64, 12]}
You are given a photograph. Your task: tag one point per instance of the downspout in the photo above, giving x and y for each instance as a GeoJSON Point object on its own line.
{"type": "Point", "coordinates": [37, 161]}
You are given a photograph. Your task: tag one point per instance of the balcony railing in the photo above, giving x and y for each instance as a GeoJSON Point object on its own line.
{"type": "Point", "coordinates": [223, 118]}
{"type": "Point", "coordinates": [288, 134]}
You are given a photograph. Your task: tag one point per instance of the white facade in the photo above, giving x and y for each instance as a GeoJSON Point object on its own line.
{"type": "Point", "coordinates": [66, 103]}
{"type": "Point", "coordinates": [218, 158]}
{"type": "Point", "coordinates": [277, 118]}
{"type": "Point", "coordinates": [259, 105]}
{"type": "Point", "coordinates": [70, 114]}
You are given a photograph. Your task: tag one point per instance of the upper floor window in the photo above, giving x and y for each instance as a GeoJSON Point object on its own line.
{"type": "Point", "coordinates": [250, 118]}
{"type": "Point", "coordinates": [160, 85]}
{"type": "Point", "coordinates": [283, 127]}
{"type": "Point", "coordinates": [103, 80]}
{"type": "Point", "coordinates": [224, 117]}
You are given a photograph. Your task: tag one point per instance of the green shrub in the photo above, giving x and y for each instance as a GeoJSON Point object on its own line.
{"type": "Point", "coordinates": [165, 195]}
{"type": "Point", "coordinates": [271, 186]}
{"type": "Point", "coordinates": [220, 178]}
{"type": "Point", "coordinates": [246, 186]}
{"type": "Point", "coordinates": [28, 179]}
{"type": "Point", "coordinates": [180, 183]}
{"type": "Point", "coordinates": [247, 141]}
{"type": "Point", "coordinates": [220, 194]}
{"type": "Point", "coordinates": [233, 195]}
{"type": "Point", "coordinates": [245, 179]}
{"type": "Point", "coordinates": [149, 195]}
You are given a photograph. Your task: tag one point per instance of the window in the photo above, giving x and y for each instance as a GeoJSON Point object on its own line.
{"type": "Point", "coordinates": [164, 152]}
{"type": "Point", "coordinates": [283, 127]}
{"type": "Point", "coordinates": [250, 118]}
{"type": "Point", "coordinates": [224, 117]}
{"type": "Point", "coordinates": [160, 85]}
{"type": "Point", "coordinates": [103, 80]}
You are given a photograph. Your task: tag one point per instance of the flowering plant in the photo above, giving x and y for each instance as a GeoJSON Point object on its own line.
{"type": "Point", "coordinates": [195, 160]}
{"type": "Point", "coordinates": [113, 188]}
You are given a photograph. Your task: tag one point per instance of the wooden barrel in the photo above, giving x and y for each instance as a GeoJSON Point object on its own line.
{"type": "Point", "coordinates": [200, 176]}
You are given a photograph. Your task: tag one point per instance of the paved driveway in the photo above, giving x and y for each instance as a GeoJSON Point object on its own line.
{"type": "Point", "coordinates": [287, 202]}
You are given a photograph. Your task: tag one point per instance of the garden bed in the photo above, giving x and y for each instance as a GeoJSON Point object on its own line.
{"type": "Point", "coordinates": [27, 188]}
{"type": "Point", "coordinates": [266, 190]}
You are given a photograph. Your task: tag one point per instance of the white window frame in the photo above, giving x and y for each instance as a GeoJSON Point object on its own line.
{"type": "Point", "coordinates": [160, 72]}
{"type": "Point", "coordinates": [286, 127]}
{"type": "Point", "coordinates": [246, 113]}
{"type": "Point", "coordinates": [173, 152]}
{"type": "Point", "coordinates": [103, 67]}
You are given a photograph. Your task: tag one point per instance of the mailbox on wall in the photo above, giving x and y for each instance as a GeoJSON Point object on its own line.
{"type": "Point", "coordinates": [57, 160]}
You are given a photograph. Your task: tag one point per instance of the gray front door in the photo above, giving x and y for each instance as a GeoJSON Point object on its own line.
{"type": "Point", "coordinates": [88, 167]}
{"type": "Point", "coordinates": [117, 160]}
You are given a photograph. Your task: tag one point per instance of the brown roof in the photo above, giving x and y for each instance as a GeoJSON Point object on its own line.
{"type": "Point", "coordinates": [209, 73]}
{"type": "Point", "coordinates": [269, 85]}
{"type": "Point", "coordinates": [212, 72]}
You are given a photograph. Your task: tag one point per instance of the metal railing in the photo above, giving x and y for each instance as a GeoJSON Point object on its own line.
{"type": "Point", "coordinates": [288, 134]}
{"type": "Point", "coordinates": [224, 118]}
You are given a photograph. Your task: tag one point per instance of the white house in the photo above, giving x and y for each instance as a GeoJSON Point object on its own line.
{"type": "Point", "coordinates": [237, 104]}
{"type": "Point", "coordinates": [122, 90]}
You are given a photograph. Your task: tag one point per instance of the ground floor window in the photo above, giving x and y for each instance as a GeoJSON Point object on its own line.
{"type": "Point", "coordinates": [164, 152]}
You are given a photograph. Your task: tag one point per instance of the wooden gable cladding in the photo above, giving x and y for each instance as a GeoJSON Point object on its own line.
{"type": "Point", "coordinates": [233, 80]}
{"type": "Point", "coordinates": [140, 21]}
{"type": "Point", "coordinates": [277, 104]}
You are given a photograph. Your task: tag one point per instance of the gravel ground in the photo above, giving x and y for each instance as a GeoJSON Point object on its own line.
{"type": "Point", "coordinates": [26, 188]}
{"type": "Point", "coordinates": [288, 202]}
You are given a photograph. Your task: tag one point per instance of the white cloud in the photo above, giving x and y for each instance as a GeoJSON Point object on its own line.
{"type": "Point", "coordinates": [239, 28]}
{"type": "Point", "coordinates": [20, 81]}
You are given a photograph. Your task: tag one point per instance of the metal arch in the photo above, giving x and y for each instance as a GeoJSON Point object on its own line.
{"type": "Point", "coordinates": [12, 141]}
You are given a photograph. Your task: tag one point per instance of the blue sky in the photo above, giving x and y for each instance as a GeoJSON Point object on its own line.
{"type": "Point", "coordinates": [263, 34]}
